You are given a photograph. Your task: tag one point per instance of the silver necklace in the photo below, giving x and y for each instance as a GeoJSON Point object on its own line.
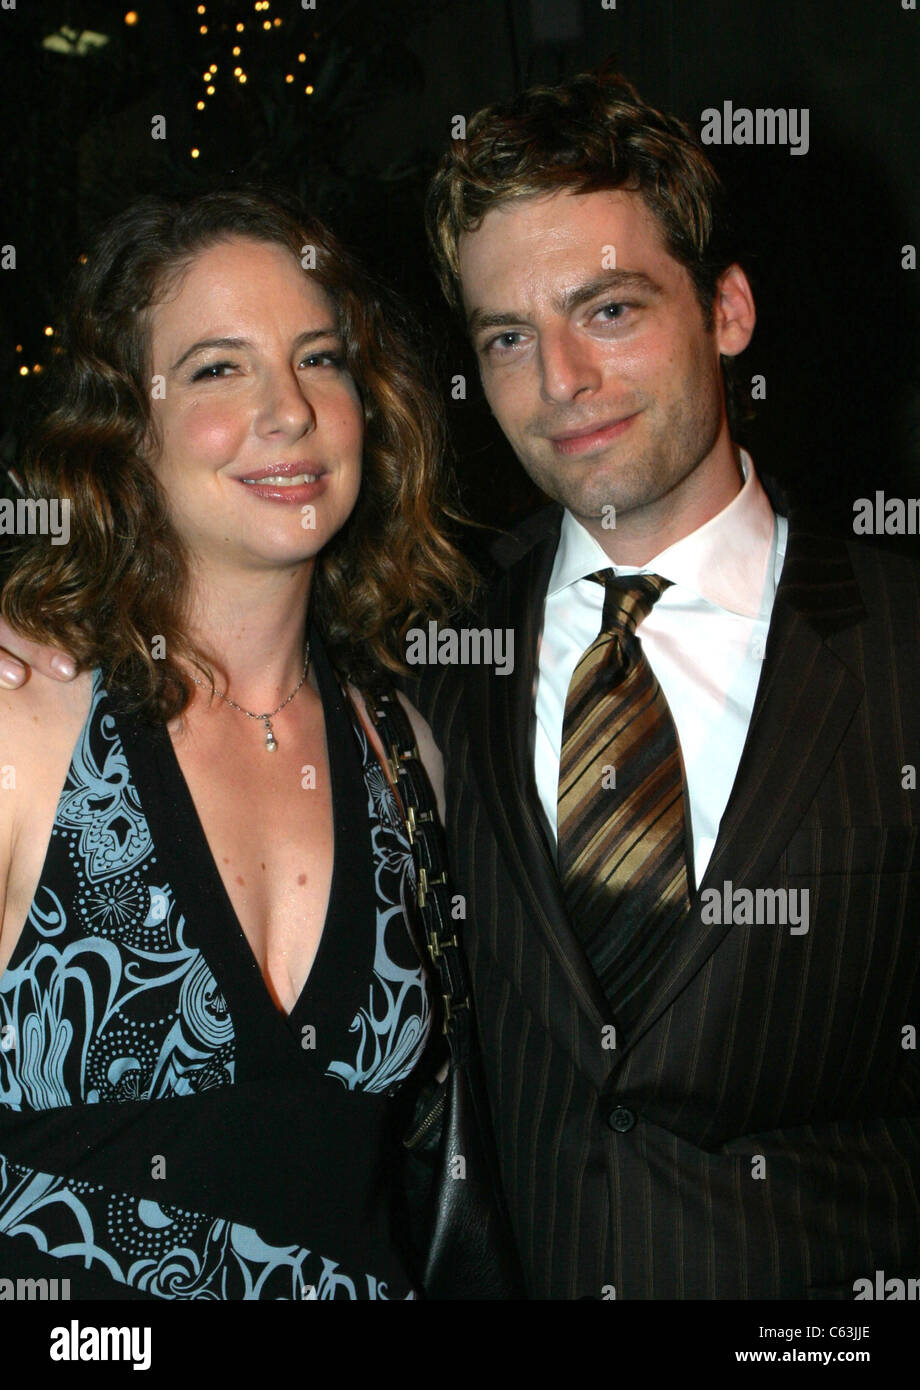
{"type": "Point", "coordinates": [271, 743]}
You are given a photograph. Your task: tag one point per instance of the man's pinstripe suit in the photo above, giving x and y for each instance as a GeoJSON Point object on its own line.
{"type": "Point", "coordinates": [757, 1133]}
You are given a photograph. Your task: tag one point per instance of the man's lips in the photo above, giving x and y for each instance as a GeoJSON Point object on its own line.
{"type": "Point", "coordinates": [582, 441]}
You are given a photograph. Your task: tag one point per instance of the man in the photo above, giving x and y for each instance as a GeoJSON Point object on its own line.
{"type": "Point", "coordinates": [694, 952]}
{"type": "Point", "coordinates": [680, 823]}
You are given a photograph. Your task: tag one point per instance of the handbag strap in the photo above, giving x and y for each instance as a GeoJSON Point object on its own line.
{"type": "Point", "coordinates": [433, 894]}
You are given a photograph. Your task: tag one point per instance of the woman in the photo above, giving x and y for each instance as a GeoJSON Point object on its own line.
{"type": "Point", "coordinates": [210, 995]}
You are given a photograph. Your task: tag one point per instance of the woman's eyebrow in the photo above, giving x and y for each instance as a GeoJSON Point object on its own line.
{"type": "Point", "coordinates": [330, 331]}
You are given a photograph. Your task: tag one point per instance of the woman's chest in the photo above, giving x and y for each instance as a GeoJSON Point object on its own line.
{"type": "Point", "coordinates": [268, 822]}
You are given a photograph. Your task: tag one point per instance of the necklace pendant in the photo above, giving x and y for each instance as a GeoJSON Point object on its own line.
{"type": "Point", "coordinates": [271, 743]}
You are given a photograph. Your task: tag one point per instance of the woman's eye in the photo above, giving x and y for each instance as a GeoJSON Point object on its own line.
{"type": "Point", "coordinates": [323, 359]}
{"type": "Point", "coordinates": [213, 371]}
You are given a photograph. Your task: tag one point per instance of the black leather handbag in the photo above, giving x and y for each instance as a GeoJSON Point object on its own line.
{"type": "Point", "coordinates": [454, 1196]}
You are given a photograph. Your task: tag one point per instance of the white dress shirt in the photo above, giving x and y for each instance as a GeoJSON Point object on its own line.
{"type": "Point", "coordinates": [704, 639]}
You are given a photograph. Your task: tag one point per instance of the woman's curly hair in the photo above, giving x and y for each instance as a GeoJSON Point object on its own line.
{"type": "Point", "coordinates": [122, 579]}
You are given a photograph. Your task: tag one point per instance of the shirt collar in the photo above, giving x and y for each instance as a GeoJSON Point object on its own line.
{"type": "Point", "coordinates": [726, 560]}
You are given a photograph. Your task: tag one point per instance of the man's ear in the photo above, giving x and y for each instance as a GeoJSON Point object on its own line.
{"type": "Point", "coordinates": [733, 312]}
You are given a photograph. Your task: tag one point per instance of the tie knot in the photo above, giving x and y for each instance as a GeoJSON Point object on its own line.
{"type": "Point", "coordinates": [628, 599]}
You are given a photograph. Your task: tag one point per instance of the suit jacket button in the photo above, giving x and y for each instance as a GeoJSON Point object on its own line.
{"type": "Point", "coordinates": [621, 1119]}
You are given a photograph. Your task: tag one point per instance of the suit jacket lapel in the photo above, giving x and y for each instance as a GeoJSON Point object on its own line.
{"type": "Point", "coordinates": [500, 710]}
{"type": "Point", "coordinates": [805, 701]}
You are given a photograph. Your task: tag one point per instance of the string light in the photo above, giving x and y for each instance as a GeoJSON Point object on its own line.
{"type": "Point", "coordinates": [23, 371]}
{"type": "Point", "coordinates": [132, 18]}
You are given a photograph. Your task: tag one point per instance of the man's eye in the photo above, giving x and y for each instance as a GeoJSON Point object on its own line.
{"type": "Point", "coordinates": [213, 371]}
{"type": "Point", "coordinates": [503, 342]}
{"type": "Point", "coordinates": [610, 313]}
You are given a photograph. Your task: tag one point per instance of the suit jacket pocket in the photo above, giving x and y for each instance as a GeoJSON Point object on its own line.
{"type": "Point", "coordinates": [853, 849]}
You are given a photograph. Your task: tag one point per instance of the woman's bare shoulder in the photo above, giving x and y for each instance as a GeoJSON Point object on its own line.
{"type": "Point", "coordinates": [429, 752]}
{"type": "Point", "coordinates": [39, 726]}
{"type": "Point", "coordinates": [40, 716]}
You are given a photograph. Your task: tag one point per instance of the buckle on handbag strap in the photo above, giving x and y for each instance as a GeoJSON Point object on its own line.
{"type": "Point", "coordinates": [424, 883]}
{"type": "Point", "coordinates": [435, 943]}
{"type": "Point", "coordinates": [398, 756]}
{"type": "Point", "coordinates": [413, 819]}
{"type": "Point", "coordinates": [452, 1008]}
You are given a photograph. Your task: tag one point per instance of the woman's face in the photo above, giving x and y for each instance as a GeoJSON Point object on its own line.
{"type": "Point", "coordinates": [260, 423]}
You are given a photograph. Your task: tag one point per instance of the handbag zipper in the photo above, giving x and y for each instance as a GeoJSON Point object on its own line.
{"type": "Point", "coordinates": [433, 1114]}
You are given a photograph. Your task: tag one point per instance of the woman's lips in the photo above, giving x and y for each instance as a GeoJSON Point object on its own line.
{"type": "Point", "coordinates": [294, 494]}
{"type": "Point", "coordinates": [584, 441]}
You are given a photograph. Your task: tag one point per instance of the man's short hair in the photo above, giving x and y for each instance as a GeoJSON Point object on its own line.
{"type": "Point", "coordinates": [585, 135]}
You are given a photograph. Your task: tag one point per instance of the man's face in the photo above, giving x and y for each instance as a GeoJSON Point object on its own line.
{"type": "Point", "coordinates": [593, 351]}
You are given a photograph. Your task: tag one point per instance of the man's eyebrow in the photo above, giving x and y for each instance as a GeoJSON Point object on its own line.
{"type": "Point", "coordinates": [237, 344]}
{"type": "Point", "coordinates": [611, 280]}
{"type": "Point", "coordinates": [616, 280]}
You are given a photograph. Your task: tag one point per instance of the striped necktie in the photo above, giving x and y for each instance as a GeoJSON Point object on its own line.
{"type": "Point", "coordinates": [621, 829]}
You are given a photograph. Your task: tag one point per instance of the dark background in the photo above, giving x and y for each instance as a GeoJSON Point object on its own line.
{"type": "Point", "coordinates": [821, 234]}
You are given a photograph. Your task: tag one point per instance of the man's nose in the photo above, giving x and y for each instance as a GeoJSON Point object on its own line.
{"type": "Point", "coordinates": [567, 365]}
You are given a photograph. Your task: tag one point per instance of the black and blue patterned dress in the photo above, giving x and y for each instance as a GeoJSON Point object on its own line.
{"type": "Point", "coordinates": [165, 1131]}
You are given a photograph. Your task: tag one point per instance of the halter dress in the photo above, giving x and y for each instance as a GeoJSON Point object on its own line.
{"type": "Point", "coordinates": [166, 1131]}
